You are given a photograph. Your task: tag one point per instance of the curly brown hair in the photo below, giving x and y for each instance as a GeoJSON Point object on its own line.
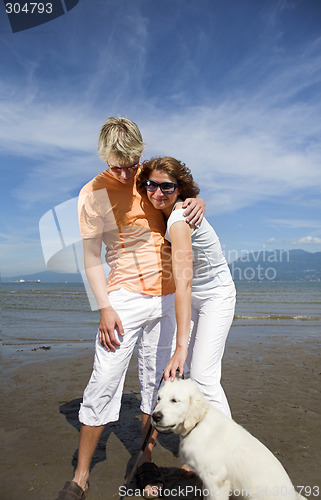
{"type": "Point", "coordinates": [187, 186]}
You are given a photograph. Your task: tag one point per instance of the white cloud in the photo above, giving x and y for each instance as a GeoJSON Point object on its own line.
{"type": "Point", "coordinates": [294, 223]}
{"type": "Point", "coordinates": [270, 241]}
{"type": "Point", "coordinates": [54, 180]}
{"type": "Point", "coordinates": [255, 140]}
{"type": "Point", "coordinates": [307, 240]}
{"type": "Point", "coordinates": [20, 253]}
{"type": "Point", "coordinates": [45, 127]}
{"type": "Point", "coordinates": [251, 145]}
{"type": "Point", "coordinates": [234, 157]}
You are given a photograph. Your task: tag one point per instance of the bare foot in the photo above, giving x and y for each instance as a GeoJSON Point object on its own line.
{"type": "Point", "coordinates": [188, 470]}
{"type": "Point", "coordinates": [152, 490]}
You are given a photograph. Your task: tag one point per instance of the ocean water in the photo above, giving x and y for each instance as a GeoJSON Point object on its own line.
{"type": "Point", "coordinates": [292, 308]}
{"type": "Point", "coordinates": [44, 319]}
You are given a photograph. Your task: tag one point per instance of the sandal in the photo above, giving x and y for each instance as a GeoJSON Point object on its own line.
{"type": "Point", "coordinates": [149, 474]}
{"type": "Point", "coordinates": [72, 491]}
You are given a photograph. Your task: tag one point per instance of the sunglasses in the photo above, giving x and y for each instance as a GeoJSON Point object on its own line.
{"type": "Point", "coordinates": [165, 187]}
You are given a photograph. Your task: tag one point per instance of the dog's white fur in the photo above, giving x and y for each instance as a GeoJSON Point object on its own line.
{"type": "Point", "coordinates": [225, 456]}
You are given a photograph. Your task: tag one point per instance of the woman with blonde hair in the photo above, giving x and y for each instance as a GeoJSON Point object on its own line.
{"type": "Point", "coordinates": [205, 292]}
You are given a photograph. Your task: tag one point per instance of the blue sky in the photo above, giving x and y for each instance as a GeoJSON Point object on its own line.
{"type": "Point", "coordinates": [232, 88]}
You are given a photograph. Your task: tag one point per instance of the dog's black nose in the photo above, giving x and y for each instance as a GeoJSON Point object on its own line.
{"type": "Point", "coordinates": [157, 416]}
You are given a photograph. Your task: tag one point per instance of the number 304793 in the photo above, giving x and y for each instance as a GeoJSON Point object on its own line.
{"type": "Point", "coordinates": [29, 8]}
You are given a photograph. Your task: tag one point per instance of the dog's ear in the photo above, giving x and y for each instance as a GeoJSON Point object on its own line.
{"type": "Point", "coordinates": [198, 407]}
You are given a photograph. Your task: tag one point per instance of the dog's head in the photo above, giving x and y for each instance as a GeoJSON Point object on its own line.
{"type": "Point", "coordinates": [180, 405]}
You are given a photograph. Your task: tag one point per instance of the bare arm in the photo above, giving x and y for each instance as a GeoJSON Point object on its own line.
{"type": "Point", "coordinates": [109, 319]}
{"type": "Point", "coordinates": [182, 265]}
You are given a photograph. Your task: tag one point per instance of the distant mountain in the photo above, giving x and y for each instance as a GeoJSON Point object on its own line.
{"type": "Point", "coordinates": [280, 265]}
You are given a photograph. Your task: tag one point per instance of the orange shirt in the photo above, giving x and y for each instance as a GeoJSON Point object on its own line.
{"type": "Point", "coordinates": [128, 223]}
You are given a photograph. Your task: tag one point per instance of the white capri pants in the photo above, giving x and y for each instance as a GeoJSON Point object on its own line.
{"type": "Point", "coordinates": [212, 316]}
{"type": "Point", "coordinates": [155, 317]}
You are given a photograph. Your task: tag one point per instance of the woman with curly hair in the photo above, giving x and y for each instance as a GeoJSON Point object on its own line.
{"type": "Point", "coordinates": [205, 292]}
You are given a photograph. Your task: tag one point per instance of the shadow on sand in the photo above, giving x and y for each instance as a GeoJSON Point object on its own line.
{"type": "Point", "coordinates": [128, 430]}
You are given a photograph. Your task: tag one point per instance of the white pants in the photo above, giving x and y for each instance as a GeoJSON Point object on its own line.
{"type": "Point", "coordinates": [155, 317]}
{"type": "Point", "coordinates": [212, 316]}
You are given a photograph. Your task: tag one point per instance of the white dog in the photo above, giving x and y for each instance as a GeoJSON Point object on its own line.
{"type": "Point", "coordinates": [227, 458]}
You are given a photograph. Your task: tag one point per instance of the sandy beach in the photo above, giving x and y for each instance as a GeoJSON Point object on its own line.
{"type": "Point", "coordinates": [272, 383]}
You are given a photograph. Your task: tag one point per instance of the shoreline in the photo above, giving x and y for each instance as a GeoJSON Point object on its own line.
{"type": "Point", "coordinates": [20, 352]}
{"type": "Point", "coordinates": [272, 385]}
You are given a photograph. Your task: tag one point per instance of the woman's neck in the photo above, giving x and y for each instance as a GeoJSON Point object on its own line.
{"type": "Point", "coordinates": [168, 210]}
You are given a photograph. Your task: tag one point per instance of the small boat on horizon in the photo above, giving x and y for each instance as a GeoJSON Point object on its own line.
{"type": "Point", "coordinates": [24, 281]}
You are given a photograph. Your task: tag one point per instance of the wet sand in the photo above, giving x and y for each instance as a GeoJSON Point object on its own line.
{"type": "Point", "coordinates": [272, 383]}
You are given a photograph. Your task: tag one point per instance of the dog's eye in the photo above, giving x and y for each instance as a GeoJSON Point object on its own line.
{"type": "Point", "coordinates": [173, 400]}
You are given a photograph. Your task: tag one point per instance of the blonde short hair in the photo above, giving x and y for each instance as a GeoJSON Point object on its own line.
{"type": "Point", "coordinates": [120, 138]}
